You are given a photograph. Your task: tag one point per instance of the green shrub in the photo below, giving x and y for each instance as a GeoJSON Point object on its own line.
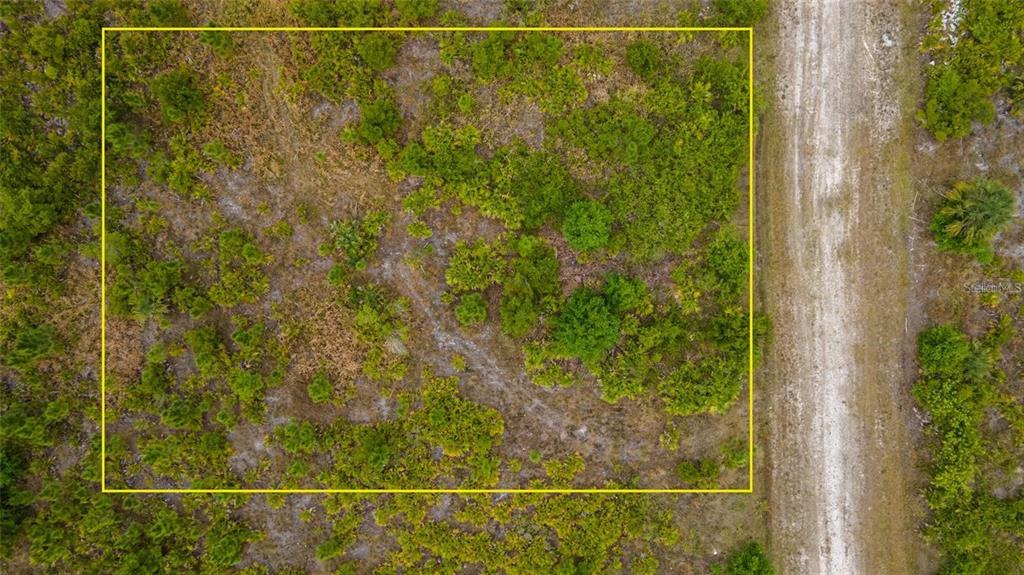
{"type": "Point", "coordinates": [471, 309]}
{"type": "Point", "coordinates": [296, 437]}
{"type": "Point", "coordinates": [943, 351]}
{"type": "Point", "coordinates": [974, 59]}
{"type": "Point", "coordinates": [247, 385]}
{"type": "Point", "coordinates": [735, 454]}
{"type": "Point", "coordinates": [419, 230]}
{"type": "Point", "coordinates": [626, 294]}
{"type": "Point", "coordinates": [531, 287]}
{"type": "Point", "coordinates": [740, 12]}
{"type": "Point", "coordinates": [180, 97]}
{"type": "Point", "coordinates": [709, 385]}
{"type": "Point", "coordinates": [225, 542]}
{"type": "Point", "coordinates": [457, 425]}
{"type": "Point", "coordinates": [530, 189]}
{"type": "Point", "coordinates": [379, 122]}
{"type": "Point", "coordinates": [635, 366]}
{"type": "Point", "coordinates": [220, 42]}
{"type": "Point", "coordinates": [412, 11]}
{"type": "Point", "coordinates": [31, 345]}
{"type": "Point", "coordinates": [702, 474]}
{"type": "Point", "coordinates": [587, 226]}
{"type": "Point", "coordinates": [727, 258]}
{"type": "Point", "coordinates": [377, 49]}
{"type": "Point", "coordinates": [508, 54]}
{"type": "Point", "coordinates": [169, 13]}
{"type": "Point", "coordinates": [356, 239]}
{"type": "Point", "coordinates": [586, 328]}
{"type": "Point", "coordinates": [319, 388]}
{"type": "Point", "coordinates": [179, 171]}
{"type": "Point", "coordinates": [240, 277]}
{"type": "Point", "coordinates": [644, 58]}
{"type": "Point", "coordinates": [474, 266]}
{"type": "Point", "coordinates": [954, 103]}
{"type": "Point", "coordinates": [976, 532]}
{"type": "Point", "coordinates": [218, 152]}
{"type": "Point", "coordinates": [750, 559]}
{"type": "Point", "coordinates": [970, 215]}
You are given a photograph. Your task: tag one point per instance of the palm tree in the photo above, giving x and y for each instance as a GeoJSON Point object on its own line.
{"type": "Point", "coordinates": [970, 215]}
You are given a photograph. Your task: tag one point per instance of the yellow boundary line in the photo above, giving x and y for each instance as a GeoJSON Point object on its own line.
{"type": "Point", "coordinates": [103, 251]}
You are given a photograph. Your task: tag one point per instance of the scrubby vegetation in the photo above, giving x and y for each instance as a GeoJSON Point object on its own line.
{"type": "Point", "coordinates": [978, 49]}
{"type": "Point", "coordinates": [969, 360]}
{"type": "Point", "coordinates": [960, 383]}
{"type": "Point", "coordinates": [262, 341]}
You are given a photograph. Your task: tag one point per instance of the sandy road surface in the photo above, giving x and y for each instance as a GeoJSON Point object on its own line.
{"type": "Point", "coordinates": [835, 269]}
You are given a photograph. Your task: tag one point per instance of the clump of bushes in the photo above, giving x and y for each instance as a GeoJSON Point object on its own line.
{"type": "Point", "coordinates": [970, 215]}
{"type": "Point", "coordinates": [701, 474]}
{"type": "Point", "coordinates": [750, 559]}
{"type": "Point", "coordinates": [587, 226]}
{"type": "Point", "coordinates": [240, 274]}
{"type": "Point", "coordinates": [976, 58]}
{"type": "Point", "coordinates": [356, 240]}
{"type": "Point", "coordinates": [474, 266]}
{"type": "Point", "coordinates": [179, 95]}
{"type": "Point", "coordinates": [977, 532]}
{"type": "Point", "coordinates": [531, 287]}
{"type": "Point", "coordinates": [587, 326]}
{"type": "Point", "coordinates": [381, 325]}
{"type": "Point", "coordinates": [220, 42]}
{"type": "Point", "coordinates": [457, 425]}
{"type": "Point", "coordinates": [644, 58]}
{"type": "Point", "coordinates": [377, 125]}
{"type": "Point", "coordinates": [740, 12]}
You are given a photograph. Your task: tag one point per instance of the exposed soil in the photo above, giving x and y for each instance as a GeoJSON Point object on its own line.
{"type": "Point", "coordinates": [832, 216]}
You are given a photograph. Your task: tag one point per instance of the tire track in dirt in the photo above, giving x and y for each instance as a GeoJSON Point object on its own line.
{"type": "Point", "coordinates": [833, 255]}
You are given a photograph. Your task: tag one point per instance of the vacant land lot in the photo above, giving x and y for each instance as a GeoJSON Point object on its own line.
{"type": "Point", "coordinates": [367, 260]}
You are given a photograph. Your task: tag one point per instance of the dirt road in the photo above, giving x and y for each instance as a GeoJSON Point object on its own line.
{"type": "Point", "coordinates": [833, 218]}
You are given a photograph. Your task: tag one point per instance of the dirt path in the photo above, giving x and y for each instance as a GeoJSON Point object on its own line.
{"type": "Point", "coordinates": [835, 266]}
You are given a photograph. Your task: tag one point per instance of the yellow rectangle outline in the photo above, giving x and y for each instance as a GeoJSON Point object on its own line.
{"type": "Point", "coordinates": [102, 253]}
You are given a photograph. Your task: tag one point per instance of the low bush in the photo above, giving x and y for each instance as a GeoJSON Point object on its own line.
{"type": "Point", "coordinates": [179, 95]}
{"type": "Point", "coordinates": [702, 473]}
{"type": "Point", "coordinates": [457, 425]}
{"type": "Point", "coordinates": [220, 42]}
{"type": "Point", "coordinates": [587, 226]}
{"type": "Point", "coordinates": [377, 49]}
{"type": "Point", "coordinates": [474, 266]}
{"type": "Point", "coordinates": [976, 532]}
{"type": "Point", "coordinates": [740, 12]}
{"type": "Point", "coordinates": [412, 11]}
{"type": "Point", "coordinates": [531, 287]}
{"type": "Point", "coordinates": [644, 58]}
{"type": "Point", "coordinates": [356, 240]}
{"type": "Point", "coordinates": [378, 123]}
{"type": "Point", "coordinates": [709, 385]}
{"type": "Point", "coordinates": [749, 559]}
{"type": "Point", "coordinates": [240, 270]}
{"type": "Point", "coordinates": [471, 309]}
{"type": "Point", "coordinates": [727, 258]}
{"type": "Point", "coordinates": [319, 388]}
{"type": "Point", "coordinates": [530, 189]}
{"type": "Point", "coordinates": [586, 328]}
